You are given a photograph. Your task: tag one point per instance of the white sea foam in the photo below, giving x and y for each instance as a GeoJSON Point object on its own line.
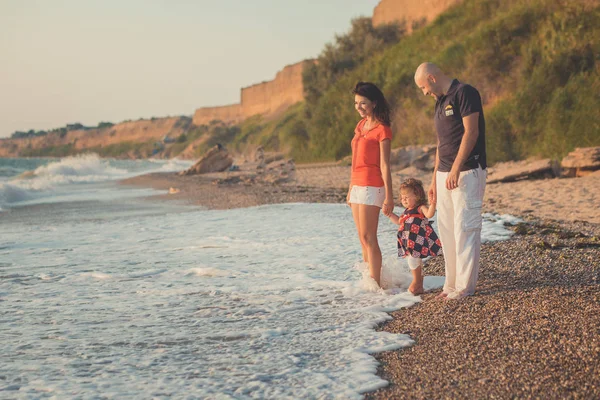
{"type": "Point", "coordinates": [83, 168]}
{"type": "Point", "coordinates": [96, 275]}
{"type": "Point", "coordinates": [12, 193]}
{"type": "Point", "coordinates": [494, 226]}
{"type": "Point", "coordinates": [172, 165]}
{"type": "Point", "coordinates": [209, 272]}
{"type": "Point", "coordinates": [265, 302]}
{"type": "Point", "coordinates": [54, 181]}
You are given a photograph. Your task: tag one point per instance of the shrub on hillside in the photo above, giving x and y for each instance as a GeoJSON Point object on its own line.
{"type": "Point", "coordinates": [348, 51]}
{"type": "Point", "coordinates": [29, 134]}
{"type": "Point", "coordinates": [103, 125]}
{"type": "Point", "coordinates": [535, 64]}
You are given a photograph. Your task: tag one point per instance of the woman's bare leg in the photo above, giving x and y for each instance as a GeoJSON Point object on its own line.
{"type": "Point", "coordinates": [369, 221]}
{"type": "Point", "coordinates": [355, 215]}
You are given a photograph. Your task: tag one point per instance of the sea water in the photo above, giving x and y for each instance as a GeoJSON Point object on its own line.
{"type": "Point", "coordinates": [104, 294]}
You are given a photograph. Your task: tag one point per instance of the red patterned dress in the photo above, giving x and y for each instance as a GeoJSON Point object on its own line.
{"type": "Point", "coordinates": [416, 237]}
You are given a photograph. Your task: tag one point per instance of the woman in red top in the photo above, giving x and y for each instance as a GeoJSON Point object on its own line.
{"type": "Point", "coordinates": [371, 182]}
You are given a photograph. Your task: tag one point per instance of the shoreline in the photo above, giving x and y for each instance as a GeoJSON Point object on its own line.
{"type": "Point", "coordinates": [203, 191]}
{"type": "Point", "coordinates": [556, 199]}
{"type": "Point", "coordinates": [532, 328]}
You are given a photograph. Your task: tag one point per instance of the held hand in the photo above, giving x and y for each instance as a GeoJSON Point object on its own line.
{"type": "Point", "coordinates": [452, 179]}
{"type": "Point", "coordinates": [431, 197]}
{"type": "Point", "coordinates": [432, 193]}
{"type": "Point", "coordinates": [388, 207]}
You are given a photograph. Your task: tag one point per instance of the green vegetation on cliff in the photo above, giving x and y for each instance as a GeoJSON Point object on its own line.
{"type": "Point", "coordinates": [286, 133]}
{"type": "Point", "coordinates": [348, 52]}
{"type": "Point", "coordinates": [117, 150]}
{"type": "Point", "coordinates": [50, 151]}
{"type": "Point", "coordinates": [61, 131]}
{"type": "Point", "coordinates": [535, 63]}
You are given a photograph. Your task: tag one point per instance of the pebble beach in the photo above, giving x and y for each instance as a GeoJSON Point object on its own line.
{"type": "Point", "coordinates": [532, 330]}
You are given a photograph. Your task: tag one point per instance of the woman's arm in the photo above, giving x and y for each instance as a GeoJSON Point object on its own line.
{"type": "Point", "coordinates": [348, 195]}
{"type": "Point", "coordinates": [386, 173]}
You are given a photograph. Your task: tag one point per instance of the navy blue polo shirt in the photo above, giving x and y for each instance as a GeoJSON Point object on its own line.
{"type": "Point", "coordinates": [460, 101]}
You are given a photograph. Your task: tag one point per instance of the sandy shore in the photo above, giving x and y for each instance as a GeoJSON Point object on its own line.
{"type": "Point", "coordinates": [205, 190]}
{"type": "Point", "coordinates": [571, 199]}
{"type": "Point", "coordinates": [533, 328]}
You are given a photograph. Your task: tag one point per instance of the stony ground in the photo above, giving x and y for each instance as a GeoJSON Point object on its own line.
{"type": "Point", "coordinates": [531, 331]}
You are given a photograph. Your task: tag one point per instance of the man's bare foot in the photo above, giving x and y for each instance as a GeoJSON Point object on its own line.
{"type": "Point", "coordinates": [442, 295]}
{"type": "Point", "coordinates": [416, 288]}
{"type": "Point", "coordinates": [455, 296]}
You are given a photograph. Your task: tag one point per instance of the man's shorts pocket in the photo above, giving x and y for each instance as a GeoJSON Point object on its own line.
{"type": "Point", "coordinates": [472, 219]}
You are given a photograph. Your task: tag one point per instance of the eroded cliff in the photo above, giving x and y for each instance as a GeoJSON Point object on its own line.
{"type": "Point", "coordinates": [412, 12]}
{"type": "Point", "coordinates": [150, 133]}
{"type": "Point", "coordinates": [267, 98]}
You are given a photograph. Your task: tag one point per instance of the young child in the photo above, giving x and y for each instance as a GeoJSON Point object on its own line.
{"type": "Point", "coordinates": [416, 237]}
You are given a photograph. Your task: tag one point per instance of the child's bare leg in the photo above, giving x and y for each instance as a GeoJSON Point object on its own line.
{"type": "Point", "coordinates": [416, 286]}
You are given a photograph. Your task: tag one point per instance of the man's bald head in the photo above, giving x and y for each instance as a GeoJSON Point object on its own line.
{"type": "Point", "coordinates": [431, 80]}
{"type": "Point", "coordinates": [427, 68]}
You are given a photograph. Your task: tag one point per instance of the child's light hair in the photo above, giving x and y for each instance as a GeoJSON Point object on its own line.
{"type": "Point", "coordinates": [416, 186]}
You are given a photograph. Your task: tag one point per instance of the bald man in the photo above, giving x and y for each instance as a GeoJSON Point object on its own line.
{"type": "Point", "coordinates": [459, 176]}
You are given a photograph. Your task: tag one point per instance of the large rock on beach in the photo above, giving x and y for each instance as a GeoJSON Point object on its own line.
{"type": "Point", "coordinates": [258, 155]}
{"type": "Point", "coordinates": [528, 169]}
{"type": "Point", "coordinates": [216, 159]}
{"type": "Point", "coordinates": [582, 161]}
{"type": "Point", "coordinates": [421, 157]}
{"type": "Point", "coordinates": [273, 156]}
{"type": "Point", "coordinates": [280, 171]}
{"type": "Point", "coordinates": [345, 162]}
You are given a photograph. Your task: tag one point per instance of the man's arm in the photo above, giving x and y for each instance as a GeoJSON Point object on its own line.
{"type": "Point", "coordinates": [432, 188]}
{"type": "Point", "coordinates": [467, 144]}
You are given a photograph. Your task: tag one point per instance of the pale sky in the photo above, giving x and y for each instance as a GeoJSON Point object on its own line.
{"type": "Point", "coordinates": [66, 61]}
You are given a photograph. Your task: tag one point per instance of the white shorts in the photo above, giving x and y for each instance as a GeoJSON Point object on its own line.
{"type": "Point", "coordinates": [369, 195]}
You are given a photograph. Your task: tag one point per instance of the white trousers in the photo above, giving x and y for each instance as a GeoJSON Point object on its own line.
{"type": "Point", "coordinates": [459, 225]}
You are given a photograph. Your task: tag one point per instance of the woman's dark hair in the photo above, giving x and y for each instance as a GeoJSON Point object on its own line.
{"type": "Point", "coordinates": [372, 92]}
{"type": "Point", "coordinates": [416, 186]}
